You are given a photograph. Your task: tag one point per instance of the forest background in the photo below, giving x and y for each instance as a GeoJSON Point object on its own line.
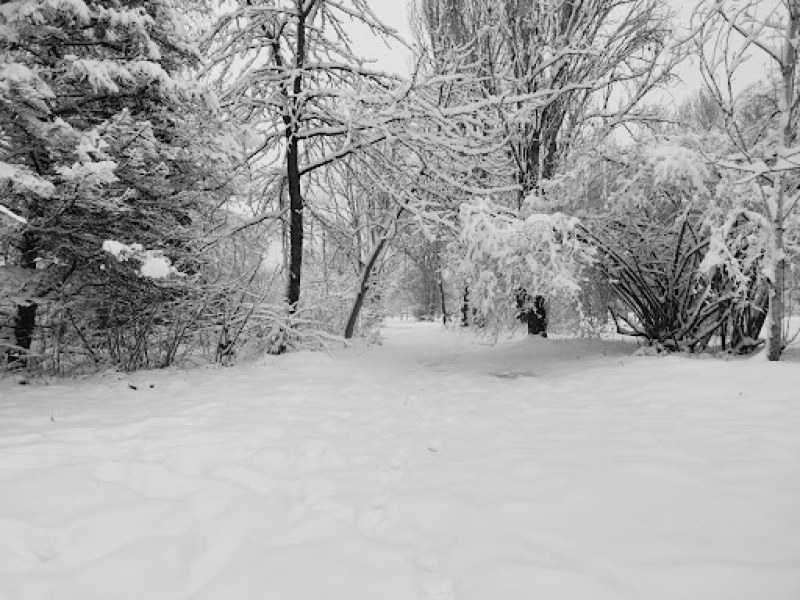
{"type": "Point", "coordinates": [194, 181]}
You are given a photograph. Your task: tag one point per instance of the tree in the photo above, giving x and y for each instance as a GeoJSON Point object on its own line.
{"type": "Point", "coordinates": [92, 148]}
{"type": "Point", "coordinates": [500, 251]}
{"type": "Point", "coordinates": [287, 69]}
{"type": "Point", "coordinates": [588, 59]}
{"type": "Point", "coordinates": [727, 34]}
{"type": "Point", "coordinates": [380, 193]}
{"type": "Point", "coordinates": [656, 240]}
{"type": "Point", "coordinates": [357, 213]}
{"type": "Point", "coordinates": [572, 69]}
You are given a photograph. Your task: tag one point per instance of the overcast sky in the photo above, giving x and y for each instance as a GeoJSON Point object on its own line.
{"type": "Point", "coordinates": [396, 58]}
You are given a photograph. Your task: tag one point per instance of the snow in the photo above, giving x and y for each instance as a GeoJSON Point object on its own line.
{"type": "Point", "coordinates": [96, 173]}
{"type": "Point", "coordinates": [76, 8]}
{"type": "Point", "coordinates": [24, 180]}
{"type": "Point", "coordinates": [118, 249]}
{"type": "Point", "coordinates": [432, 467]}
{"type": "Point", "coordinates": [674, 163]}
{"type": "Point", "coordinates": [10, 213]}
{"type": "Point", "coordinates": [16, 73]}
{"type": "Point", "coordinates": [717, 255]}
{"type": "Point", "coordinates": [153, 262]}
{"type": "Point", "coordinates": [156, 267]}
{"type": "Point", "coordinates": [136, 18]}
{"type": "Point", "coordinates": [273, 259]}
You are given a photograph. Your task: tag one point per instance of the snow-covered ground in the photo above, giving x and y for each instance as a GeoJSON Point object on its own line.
{"type": "Point", "coordinates": [433, 467]}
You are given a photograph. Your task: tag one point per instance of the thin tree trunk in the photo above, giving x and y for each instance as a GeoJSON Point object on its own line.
{"type": "Point", "coordinates": [350, 328]}
{"type": "Point", "coordinates": [775, 339]}
{"type": "Point", "coordinates": [366, 273]}
{"type": "Point", "coordinates": [25, 319]}
{"type": "Point", "coordinates": [441, 296]}
{"type": "Point", "coordinates": [776, 292]}
{"type": "Point", "coordinates": [465, 307]}
{"type": "Point", "coordinates": [363, 288]}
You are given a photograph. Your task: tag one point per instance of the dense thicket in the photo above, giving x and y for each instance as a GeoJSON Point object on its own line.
{"type": "Point", "coordinates": [102, 139]}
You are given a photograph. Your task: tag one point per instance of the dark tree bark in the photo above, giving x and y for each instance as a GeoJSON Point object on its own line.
{"type": "Point", "coordinates": [465, 307]}
{"type": "Point", "coordinates": [366, 273]}
{"type": "Point", "coordinates": [295, 227]}
{"type": "Point", "coordinates": [25, 319]}
{"type": "Point", "coordinates": [532, 311]}
{"type": "Point", "coordinates": [363, 289]}
{"type": "Point", "coordinates": [441, 296]}
{"type": "Point", "coordinates": [537, 318]}
{"type": "Point", "coordinates": [291, 120]}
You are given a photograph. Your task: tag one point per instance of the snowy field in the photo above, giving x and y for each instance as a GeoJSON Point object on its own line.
{"type": "Point", "coordinates": [433, 467]}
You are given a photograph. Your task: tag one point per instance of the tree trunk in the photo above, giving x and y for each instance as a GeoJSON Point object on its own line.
{"type": "Point", "coordinates": [295, 226]}
{"type": "Point", "coordinates": [775, 339]}
{"type": "Point", "coordinates": [441, 296]}
{"type": "Point", "coordinates": [291, 120]}
{"type": "Point", "coordinates": [465, 307]}
{"type": "Point", "coordinates": [537, 318]}
{"type": "Point", "coordinates": [349, 330]}
{"type": "Point", "coordinates": [25, 319]}
{"type": "Point", "coordinates": [776, 292]}
{"type": "Point", "coordinates": [363, 288]}
{"type": "Point", "coordinates": [532, 311]}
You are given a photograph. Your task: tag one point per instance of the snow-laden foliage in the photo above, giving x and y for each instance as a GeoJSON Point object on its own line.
{"type": "Point", "coordinates": [500, 252]}
{"type": "Point", "coordinates": [153, 262]}
{"type": "Point", "coordinates": [729, 34]}
{"type": "Point", "coordinates": [102, 136]}
{"type": "Point", "coordinates": [287, 72]}
{"type": "Point", "coordinates": [22, 180]}
{"type": "Point", "coordinates": [681, 244]}
{"type": "Point", "coordinates": [677, 166]}
{"type": "Point", "coordinates": [566, 70]}
{"type": "Point", "coordinates": [582, 61]}
{"type": "Point", "coordinates": [486, 184]}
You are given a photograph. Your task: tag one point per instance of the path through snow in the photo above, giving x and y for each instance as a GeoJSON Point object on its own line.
{"type": "Point", "coordinates": [434, 467]}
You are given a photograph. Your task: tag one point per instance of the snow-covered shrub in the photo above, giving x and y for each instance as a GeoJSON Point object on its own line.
{"type": "Point", "coordinates": [658, 291]}
{"type": "Point", "coordinates": [682, 253]}
{"type": "Point", "coordinates": [501, 252]}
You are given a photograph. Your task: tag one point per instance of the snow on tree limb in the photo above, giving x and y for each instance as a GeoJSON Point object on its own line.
{"type": "Point", "coordinates": [12, 215]}
{"type": "Point", "coordinates": [153, 263]}
{"type": "Point", "coordinates": [24, 180]}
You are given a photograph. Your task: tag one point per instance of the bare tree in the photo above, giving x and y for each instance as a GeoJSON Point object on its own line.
{"type": "Point", "coordinates": [598, 58]}
{"type": "Point", "coordinates": [367, 194]}
{"type": "Point", "coordinates": [728, 33]}
{"type": "Point", "coordinates": [287, 71]}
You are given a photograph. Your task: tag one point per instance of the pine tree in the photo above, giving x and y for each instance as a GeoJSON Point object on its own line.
{"type": "Point", "coordinates": [95, 144]}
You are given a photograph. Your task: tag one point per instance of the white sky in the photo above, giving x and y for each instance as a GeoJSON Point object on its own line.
{"type": "Point", "coordinates": [395, 59]}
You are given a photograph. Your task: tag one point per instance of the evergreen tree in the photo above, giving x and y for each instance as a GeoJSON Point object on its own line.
{"type": "Point", "coordinates": [97, 120]}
